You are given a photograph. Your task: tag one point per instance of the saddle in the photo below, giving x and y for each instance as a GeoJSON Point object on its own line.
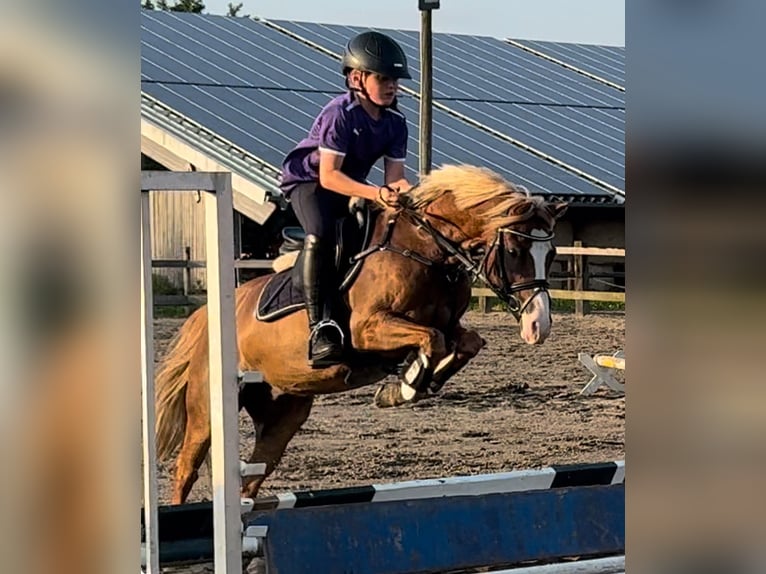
{"type": "Point", "coordinates": [283, 294]}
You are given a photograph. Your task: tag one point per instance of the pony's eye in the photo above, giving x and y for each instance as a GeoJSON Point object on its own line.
{"type": "Point", "coordinates": [513, 252]}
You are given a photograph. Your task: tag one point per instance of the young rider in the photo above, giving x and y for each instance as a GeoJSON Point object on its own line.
{"type": "Point", "coordinates": [351, 133]}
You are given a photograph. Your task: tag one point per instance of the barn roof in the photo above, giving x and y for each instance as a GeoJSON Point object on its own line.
{"type": "Point", "coordinates": [237, 93]}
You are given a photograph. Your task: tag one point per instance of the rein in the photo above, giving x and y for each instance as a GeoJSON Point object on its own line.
{"type": "Point", "coordinates": [476, 268]}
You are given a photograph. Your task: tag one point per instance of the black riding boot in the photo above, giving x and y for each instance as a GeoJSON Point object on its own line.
{"type": "Point", "coordinates": [325, 340]}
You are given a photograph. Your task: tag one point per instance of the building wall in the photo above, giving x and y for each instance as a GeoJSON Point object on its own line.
{"type": "Point", "coordinates": [178, 221]}
{"type": "Point", "coordinates": [594, 227]}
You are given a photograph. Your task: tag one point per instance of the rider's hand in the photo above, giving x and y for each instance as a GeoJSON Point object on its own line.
{"type": "Point", "coordinates": [388, 196]}
{"type": "Point", "coordinates": [401, 185]}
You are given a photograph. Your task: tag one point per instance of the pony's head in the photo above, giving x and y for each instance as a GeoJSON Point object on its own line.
{"type": "Point", "coordinates": [506, 232]}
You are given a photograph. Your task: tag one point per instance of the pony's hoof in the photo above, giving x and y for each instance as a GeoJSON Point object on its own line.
{"type": "Point", "coordinates": [388, 395]}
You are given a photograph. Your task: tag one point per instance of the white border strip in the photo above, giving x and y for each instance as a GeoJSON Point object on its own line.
{"type": "Point", "coordinates": [466, 485]}
{"type": "Point", "coordinates": [613, 565]}
{"type": "Point", "coordinates": [512, 481]}
{"type": "Point", "coordinates": [619, 475]}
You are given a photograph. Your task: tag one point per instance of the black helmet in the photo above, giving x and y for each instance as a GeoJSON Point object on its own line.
{"type": "Point", "coordinates": [377, 53]}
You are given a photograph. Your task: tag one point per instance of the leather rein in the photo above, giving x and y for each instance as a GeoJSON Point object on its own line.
{"type": "Point", "coordinates": [473, 264]}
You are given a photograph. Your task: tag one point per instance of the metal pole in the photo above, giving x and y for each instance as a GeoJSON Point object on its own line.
{"type": "Point", "coordinates": [426, 91]}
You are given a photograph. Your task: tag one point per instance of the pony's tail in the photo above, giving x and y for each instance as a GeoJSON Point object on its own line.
{"type": "Point", "coordinates": [171, 383]}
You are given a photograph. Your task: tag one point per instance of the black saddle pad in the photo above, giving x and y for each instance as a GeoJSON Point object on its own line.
{"type": "Point", "coordinates": [279, 298]}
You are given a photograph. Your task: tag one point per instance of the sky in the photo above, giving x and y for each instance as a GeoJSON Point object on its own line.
{"type": "Point", "coordinates": [578, 21]}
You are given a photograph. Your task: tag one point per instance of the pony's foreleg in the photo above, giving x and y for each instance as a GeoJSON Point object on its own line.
{"type": "Point", "coordinates": [467, 344]}
{"type": "Point", "coordinates": [276, 421]}
{"type": "Point", "coordinates": [385, 332]}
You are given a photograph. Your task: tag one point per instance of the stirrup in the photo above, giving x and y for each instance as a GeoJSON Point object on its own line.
{"type": "Point", "coordinates": [324, 324]}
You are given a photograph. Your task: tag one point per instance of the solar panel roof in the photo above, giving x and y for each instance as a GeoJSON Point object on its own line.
{"type": "Point", "coordinates": [607, 62]}
{"type": "Point", "coordinates": [214, 50]}
{"type": "Point", "coordinates": [588, 139]}
{"type": "Point", "coordinates": [260, 88]}
{"type": "Point", "coordinates": [479, 67]}
{"type": "Point", "coordinates": [270, 123]}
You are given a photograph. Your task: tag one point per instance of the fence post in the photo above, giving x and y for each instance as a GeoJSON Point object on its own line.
{"type": "Point", "coordinates": [187, 271]}
{"type": "Point", "coordinates": [582, 307]}
{"type": "Point", "coordinates": [482, 304]}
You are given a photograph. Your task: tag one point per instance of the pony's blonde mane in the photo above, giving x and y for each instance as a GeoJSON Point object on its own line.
{"type": "Point", "coordinates": [474, 188]}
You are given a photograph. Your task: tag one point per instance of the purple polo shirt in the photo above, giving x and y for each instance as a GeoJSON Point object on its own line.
{"type": "Point", "coordinates": [345, 129]}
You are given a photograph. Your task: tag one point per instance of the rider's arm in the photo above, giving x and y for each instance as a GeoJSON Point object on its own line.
{"type": "Point", "coordinates": [395, 157]}
{"type": "Point", "coordinates": [332, 178]}
{"type": "Point", "coordinates": [394, 174]}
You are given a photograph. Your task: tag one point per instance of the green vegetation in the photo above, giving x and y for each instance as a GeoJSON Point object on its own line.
{"type": "Point", "coordinates": [557, 305]}
{"type": "Point", "coordinates": [568, 306]}
{"type": "Point", "coordinates": [193, 6]}
{"type": "Point", "coordinates": [161, 285]}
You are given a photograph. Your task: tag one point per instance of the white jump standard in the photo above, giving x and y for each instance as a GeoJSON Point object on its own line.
{"type": "Point", "coordinates": [225, 378]}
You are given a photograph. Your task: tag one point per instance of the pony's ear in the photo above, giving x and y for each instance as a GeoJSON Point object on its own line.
{"type": "Point", "coordinates": [557, 210]}
{"type": "Point", "coordinates": [521, 209]}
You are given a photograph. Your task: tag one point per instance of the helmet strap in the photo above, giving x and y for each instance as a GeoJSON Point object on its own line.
{"type": "Point", "coordinates": [363, 91]}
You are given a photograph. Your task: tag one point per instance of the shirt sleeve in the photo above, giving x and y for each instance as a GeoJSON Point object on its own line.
{"type": "Point", "coordinates": [334, 134]}
{"type": "Point", "coordinates": [397, 150]}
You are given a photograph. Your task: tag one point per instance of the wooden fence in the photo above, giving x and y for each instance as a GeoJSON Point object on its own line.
{"type": "Point", "coordinates": [187, 297]}
{"type": "Point", "coordinates": [577, 278]}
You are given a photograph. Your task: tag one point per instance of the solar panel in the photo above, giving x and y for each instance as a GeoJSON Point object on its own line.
{"type": "Point", "coordinates": [589, 139]}
{"type": "Point", "coordinates": [479, 68]}
{"type": "Point", "coordinates": [487, 69]}
{"type": "Point", "coordinates": [268, 123]}
{"type": "Point", "coordinates": [456, 142]}
{"type": "Point", "coordinates": [607, 62]}
{"type": "Point", "coordinates": [263, 122]}
{"type": "Point", "coordinates": [196, 49]}
{"type": "Point", "coordinates": [261, 89]}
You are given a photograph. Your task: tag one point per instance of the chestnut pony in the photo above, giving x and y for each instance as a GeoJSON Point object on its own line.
{"type": "Point", "coordinates": [458, 224]}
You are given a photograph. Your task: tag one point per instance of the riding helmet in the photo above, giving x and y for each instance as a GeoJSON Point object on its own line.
{"type": "Point", "coordinates": [377, 53]}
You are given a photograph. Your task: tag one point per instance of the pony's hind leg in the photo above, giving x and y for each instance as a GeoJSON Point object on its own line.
{"type": "Point", "coordinates": [276, 417]}
{"type": "Point", "coordinates": [196, 439]}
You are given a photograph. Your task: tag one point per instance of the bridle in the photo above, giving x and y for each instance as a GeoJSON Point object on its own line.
{"type": "Point", "coordinates": [475, 264]}
{"type": "Point", "coordinates": [479, 268]}
{"type": "Point", "coordinates": [508, 292]}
